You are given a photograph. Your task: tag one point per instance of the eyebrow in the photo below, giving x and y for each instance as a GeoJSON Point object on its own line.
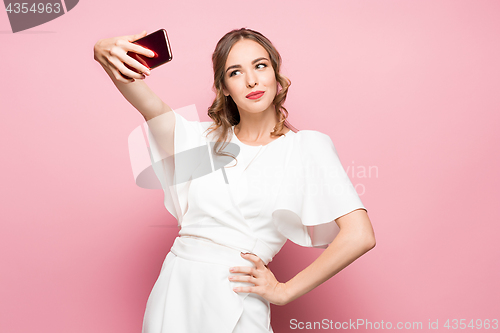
{"type": "Point", "coordinates": [253, 62]}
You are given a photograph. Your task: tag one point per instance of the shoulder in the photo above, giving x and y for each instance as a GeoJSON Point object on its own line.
{"type": "Point", "coordinates": [313, 140]}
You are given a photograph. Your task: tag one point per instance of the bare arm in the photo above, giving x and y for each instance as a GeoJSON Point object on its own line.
{"type": "Point", "coordinates": [355, 238]}
{"type": "Point", "coordinates": [111, 53]}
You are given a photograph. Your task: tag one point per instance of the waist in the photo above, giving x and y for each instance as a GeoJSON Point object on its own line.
{"type": "Point", "coordinates": [228, 239]}
{"type": "Point", "coordinates": [204, 250]}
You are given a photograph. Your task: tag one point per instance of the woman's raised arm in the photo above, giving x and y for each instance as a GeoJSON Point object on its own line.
{"type": "Point", "coordinates": [111, 53]}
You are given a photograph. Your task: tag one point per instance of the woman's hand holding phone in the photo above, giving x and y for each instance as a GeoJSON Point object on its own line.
{"type": "Point", "coordinates": [111, 53]}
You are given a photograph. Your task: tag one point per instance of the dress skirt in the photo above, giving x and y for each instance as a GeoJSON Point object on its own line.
{"type": "Point", "coordinates": [193, 293]}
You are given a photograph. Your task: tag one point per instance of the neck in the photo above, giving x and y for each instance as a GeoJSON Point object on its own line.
{"type": "Point", "coordinates": [256, 126]}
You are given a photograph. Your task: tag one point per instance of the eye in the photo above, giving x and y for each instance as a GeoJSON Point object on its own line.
{"type": "Point", "coordinates": [262, 65]}
{"type": "Point", "coordinates": [233, 73]}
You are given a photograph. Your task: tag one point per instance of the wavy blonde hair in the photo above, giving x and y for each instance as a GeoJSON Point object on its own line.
{"type": "Point", "coordinates": [223, 110]}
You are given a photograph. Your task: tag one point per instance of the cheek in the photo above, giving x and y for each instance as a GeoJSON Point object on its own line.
{"type": "Point", "coordinates": [271, 81]}
{"type": "Point", "coordinates": [234, 85]}
{"type": "Point", "coordinates": [230, 87]}
{"type": "Point", "coordinates": [272, 84]}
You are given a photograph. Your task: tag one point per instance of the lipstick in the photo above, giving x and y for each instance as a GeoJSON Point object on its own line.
{"type": "Point", "coordinates": [255, 95]}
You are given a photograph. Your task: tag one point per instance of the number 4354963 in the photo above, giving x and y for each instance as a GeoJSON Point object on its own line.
{"type": "Point", "coordinates": [477, 324]}
{"type": "Point", "coordinates": [39, 8]}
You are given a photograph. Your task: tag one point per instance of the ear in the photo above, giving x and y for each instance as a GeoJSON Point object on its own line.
{"type": "Point", "coordinates": [224, 90]}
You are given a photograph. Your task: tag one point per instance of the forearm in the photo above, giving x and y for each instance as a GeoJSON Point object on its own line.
{"type": "Point", "coordinates": [344, 249]}
{"type": "Point", "coordinates": [141, 97]}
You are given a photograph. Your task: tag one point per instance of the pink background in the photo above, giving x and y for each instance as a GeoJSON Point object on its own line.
{"type": "Point", "coordinates": [409, 88]}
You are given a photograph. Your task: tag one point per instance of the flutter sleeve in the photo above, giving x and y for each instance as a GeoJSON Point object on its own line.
{"type": "Point", "coordinates": [315, 191]}
{"type": "Point", "coordinates": [176, 146]}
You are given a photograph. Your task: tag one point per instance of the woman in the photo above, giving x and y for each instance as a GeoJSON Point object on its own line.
{"type": "Point", "coordinates": [236, 217]}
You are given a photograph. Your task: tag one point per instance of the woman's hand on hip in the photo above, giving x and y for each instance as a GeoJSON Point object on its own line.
{"type": "Point", "coordinates": [111, 53]}
{"type": "Point", "coordinates": [261, 276]}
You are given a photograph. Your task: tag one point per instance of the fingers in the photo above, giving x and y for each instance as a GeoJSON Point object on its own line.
{"type": "Point", "coordinates": [137, 48]}
{"type": "Point", "coordinates": [112, 53]}
{"type": "Point", "coordinates": [119, 69]}
{"type": "Point", "coordinates": [244, 289]}
{"type": "Point", "coordinates": [142, 50]}
{"type": "Point", "coordinates": [120, 77]}
{"type": "Point", "coordinates": [121, 73]}
{"type": "Point", "coordinates": [121, 49]}
{"type": "Point", "coordinates": [253, 258]}
{"type": "Point", "coordinates": [132, 38]}
{"type": "Point", "coordinates": [243, 278]}
{"type": "Point", "coordinates": [114, 73]}
{"type": "Point", "coordinates": [243, 269]}
{"type": "Point", "coordinates": [118, 57]}
{"type": "Point", "coordinates": [136, 65]}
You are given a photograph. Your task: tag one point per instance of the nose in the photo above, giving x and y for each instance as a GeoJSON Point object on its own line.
{"type": "Point", "coordinates": [251, 79]}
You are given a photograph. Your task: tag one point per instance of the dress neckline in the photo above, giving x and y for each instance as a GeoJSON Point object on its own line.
{"type": "Point", "coordinates": [259, 146]}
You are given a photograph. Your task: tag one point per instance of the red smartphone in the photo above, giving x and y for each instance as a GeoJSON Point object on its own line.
{"type": "Point", "coordinates": [156, 42]}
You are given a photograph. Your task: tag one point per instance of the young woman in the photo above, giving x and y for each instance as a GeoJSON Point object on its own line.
{"type": "Point", "coordinates": [234, 218]}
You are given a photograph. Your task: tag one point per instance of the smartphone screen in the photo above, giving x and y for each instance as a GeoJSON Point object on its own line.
{"type": "Point", "coordinates": [156, 42]}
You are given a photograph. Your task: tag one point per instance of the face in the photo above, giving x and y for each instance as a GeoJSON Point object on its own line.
{"type": "Point", "coordinates": [248, 69]}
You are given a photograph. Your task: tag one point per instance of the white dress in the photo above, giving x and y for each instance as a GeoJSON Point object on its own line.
{"type": "Point", "coordinates": [292, 188]}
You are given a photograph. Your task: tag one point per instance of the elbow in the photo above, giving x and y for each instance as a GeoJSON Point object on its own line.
{"type": "Point", "coordinates": [366, 241]}
{"type": "Point", "coordinates": [369, 242]}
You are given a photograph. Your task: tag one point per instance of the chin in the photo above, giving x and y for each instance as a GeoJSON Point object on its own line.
{"type": "Point", "coordinates": [257, 107]}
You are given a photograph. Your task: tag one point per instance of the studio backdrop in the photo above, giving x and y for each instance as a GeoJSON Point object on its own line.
{"type": "Point", "coordinates": [406, 89]}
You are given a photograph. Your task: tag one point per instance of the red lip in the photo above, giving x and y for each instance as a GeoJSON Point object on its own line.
{"type": "Point", "coordinates": [255, 94]}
